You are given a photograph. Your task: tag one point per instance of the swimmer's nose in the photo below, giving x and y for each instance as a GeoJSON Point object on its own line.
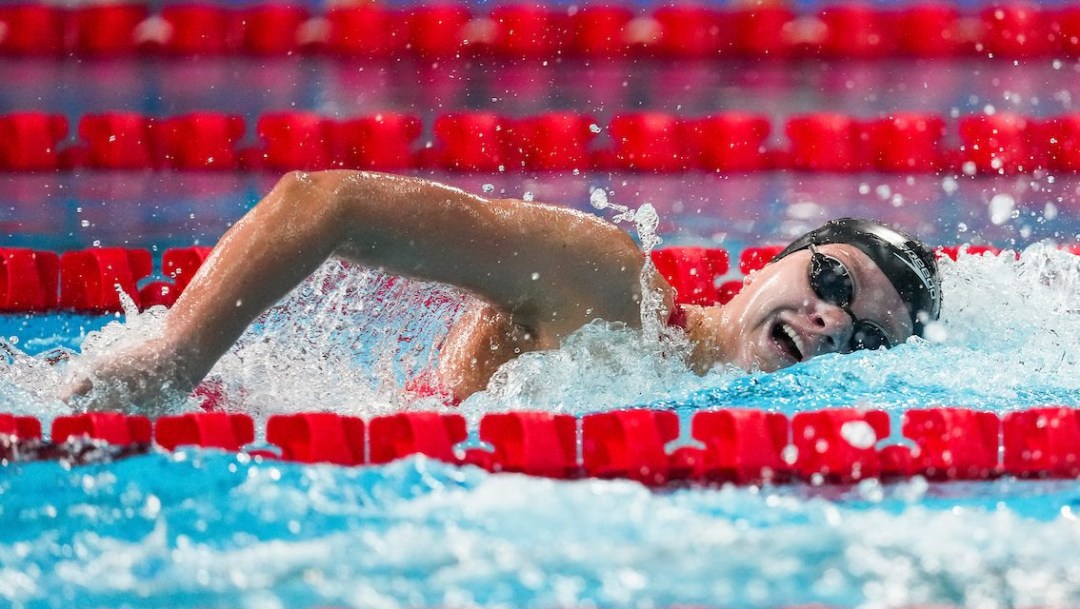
{"type": "Point", "coordinates": [832, 326]}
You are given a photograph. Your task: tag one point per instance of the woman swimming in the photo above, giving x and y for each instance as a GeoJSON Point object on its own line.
{"type": "Point", "coordinates": [542, 271]}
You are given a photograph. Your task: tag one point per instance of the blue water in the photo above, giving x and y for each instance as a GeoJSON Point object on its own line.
{"type": "Point", "coordinates": [199, 530]}
{"type": "Point", "coordinates": [204, 529]}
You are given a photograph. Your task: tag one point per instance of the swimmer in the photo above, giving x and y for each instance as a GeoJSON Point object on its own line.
{"type": "Point", "coordinates": [542, 273]}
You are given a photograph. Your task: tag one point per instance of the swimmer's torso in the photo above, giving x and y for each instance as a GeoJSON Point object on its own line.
{"type": "Point", "coordinates": [479, 342]}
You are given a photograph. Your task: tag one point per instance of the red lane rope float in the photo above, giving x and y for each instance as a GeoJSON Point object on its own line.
{"type": "Point", "coordinates": [90, 281]}
{"type": "Point", "coordinates": [831, 446]}
{"type": "Point", "coordinates": [846, 30]}
{"type": "Point", "coordinates": [998, 144]}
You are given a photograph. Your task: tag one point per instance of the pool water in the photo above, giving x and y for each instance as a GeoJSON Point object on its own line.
{"type": "Point", "coordinates": [208, 529]}
{"type": "Point", "coordinates": [204, 529]}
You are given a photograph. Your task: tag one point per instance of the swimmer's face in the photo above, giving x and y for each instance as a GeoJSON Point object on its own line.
{"type": "Point", "coordinates": [778, 319]}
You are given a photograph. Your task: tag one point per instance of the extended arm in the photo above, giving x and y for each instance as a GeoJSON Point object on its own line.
{"type": "Point", "coordinates": [553, 269]}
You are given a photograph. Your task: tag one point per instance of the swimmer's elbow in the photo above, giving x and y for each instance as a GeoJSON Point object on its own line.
{"type": "Point", "coordinates": [321, 193]}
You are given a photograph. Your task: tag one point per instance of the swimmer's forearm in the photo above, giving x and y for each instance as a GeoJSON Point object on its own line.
{"type": "Point", "coordinates": [269, 251]}
{"type": "Point", "coordinates": [544, 265]}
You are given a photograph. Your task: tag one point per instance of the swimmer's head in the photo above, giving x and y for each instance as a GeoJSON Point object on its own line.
{"type": "Point", "coordinates": [851, 284]}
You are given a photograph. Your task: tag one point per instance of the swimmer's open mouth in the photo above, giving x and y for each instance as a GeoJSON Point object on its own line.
{"type": "Point", "coordinates": [789, 341]}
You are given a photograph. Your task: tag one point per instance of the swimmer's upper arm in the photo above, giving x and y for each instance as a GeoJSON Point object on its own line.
{"type": "Point", "coordinates": [545, 264]}
{"type": "Point", "coordinates": [552, 269]}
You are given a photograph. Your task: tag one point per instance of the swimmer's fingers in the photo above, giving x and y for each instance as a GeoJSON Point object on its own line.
{"type": "Point", "coordinates": [141, 379]}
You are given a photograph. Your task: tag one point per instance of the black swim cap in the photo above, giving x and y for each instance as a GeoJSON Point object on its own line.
{"type": "Point", "coordinates": [909, 265]}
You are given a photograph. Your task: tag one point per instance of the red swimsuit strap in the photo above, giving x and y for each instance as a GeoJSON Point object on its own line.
{"type": "Point", "coordinates": [677, 317]}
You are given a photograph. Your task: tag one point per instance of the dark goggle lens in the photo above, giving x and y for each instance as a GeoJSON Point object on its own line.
{"type": "Point", "coordinates": [869, 335]}
{"type": "Point", "coordinates": [830, 280]}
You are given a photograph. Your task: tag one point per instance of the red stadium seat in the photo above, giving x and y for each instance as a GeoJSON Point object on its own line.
{"type": "Point", "coordinates": [28, 280]}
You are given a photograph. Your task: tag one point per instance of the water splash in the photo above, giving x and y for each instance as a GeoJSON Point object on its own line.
{"type": "Point", "coordinates": [646, 221]}
{"type": "Point", "coordinates": [1006, 340]}
{"type": "Point", "coordinates": [347, 339]}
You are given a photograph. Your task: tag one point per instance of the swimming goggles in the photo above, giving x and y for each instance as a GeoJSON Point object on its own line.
{"type": "Point", "coordinates": [832, 283]}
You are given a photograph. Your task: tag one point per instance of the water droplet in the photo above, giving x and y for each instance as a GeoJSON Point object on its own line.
{"type": "Point", "coordinates": [858, 434]}
{"type": "Point", "coordinates": [790, 454]}
{"type": "Point", "coordinates": [949, 185]}
{"type": "Point", "coordinates": [488, 188]}
{"type": "Point", "coordinates": [528, 196]}
{"type": "Point", "coordinates": [535, 276]}
{"type": "Point", "coordinates": [1002, 206]}
{"type": "Point", "coordinates": [84, 223]}
{"type": "Point", "coordinates": [598, 198]}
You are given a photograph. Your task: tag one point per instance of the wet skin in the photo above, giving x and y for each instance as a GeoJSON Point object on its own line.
{"type": "Point", "coordinates": [777, 320]}
{"type": "Point", "coordinates": [541, 271]}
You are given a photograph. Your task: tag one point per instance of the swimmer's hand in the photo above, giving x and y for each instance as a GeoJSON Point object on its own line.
{"type": "Point", "coordinates": [145, 378]}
